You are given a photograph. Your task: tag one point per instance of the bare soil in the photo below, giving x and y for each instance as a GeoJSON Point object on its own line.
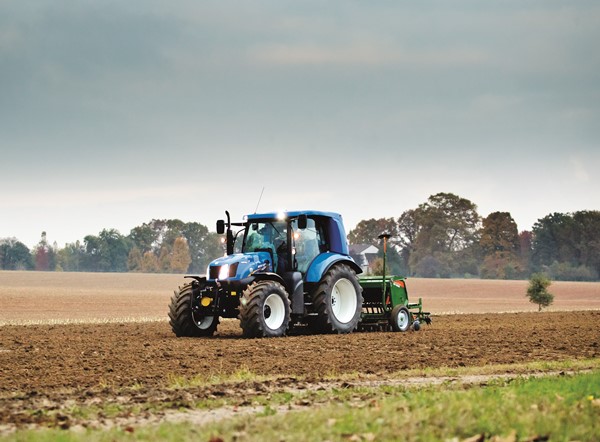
{"type": "Point", "coordinates": [83, 340]}
{"type": "Point", "coordinates": [42, 367]}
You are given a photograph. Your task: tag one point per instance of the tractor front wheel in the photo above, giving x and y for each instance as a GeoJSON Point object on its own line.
{"type": "Point", "coordinates": [337, 301]}
{"type": "Point", "coordinates": [265, 310]}
{"type": "Point", "coordinates": [183, 320]}
{"type": "Point", "coordinates": [400, 318]}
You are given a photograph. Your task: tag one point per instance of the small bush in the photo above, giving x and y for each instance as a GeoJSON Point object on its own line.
{"type": "Point", "coordinates": [538, 290]}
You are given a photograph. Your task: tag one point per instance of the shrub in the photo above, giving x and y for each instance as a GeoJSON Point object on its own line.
{"type": "Point", "coordinates": [538, 290]}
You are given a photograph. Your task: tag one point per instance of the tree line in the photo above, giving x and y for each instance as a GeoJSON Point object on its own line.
{"type": "Point", "coordinates": [160, 246]}
{"type": "Point", "coordinates": [443, 237]}
{"type": "Point", "coordinates": [446, 237]}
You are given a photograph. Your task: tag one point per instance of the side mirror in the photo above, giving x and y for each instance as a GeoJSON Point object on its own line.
{"type": "Point", "coordinates": [220, 227]}
{"type": "Point", "coordinates": [302, 222]}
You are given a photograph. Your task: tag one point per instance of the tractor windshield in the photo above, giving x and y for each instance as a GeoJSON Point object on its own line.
{"type": "Point", "coordinates": [267, 236]}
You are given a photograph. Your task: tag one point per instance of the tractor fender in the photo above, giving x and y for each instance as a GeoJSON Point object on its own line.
{"type": "Point", "coordinates": [322, 263]}
{"type": "Point", "coordinates": [197, 278]}
{"type": "Point", "coordinates": [268, 276]}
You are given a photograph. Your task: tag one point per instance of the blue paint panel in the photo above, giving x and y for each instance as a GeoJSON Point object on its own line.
{"type": "Point", "coordinates": [337, 236]}
{"type": "Point", "coordinates": [248, 262]}
{"type": "Point", "coordinates": [321, 263]}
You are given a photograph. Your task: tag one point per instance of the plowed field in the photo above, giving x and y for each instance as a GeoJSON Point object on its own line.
{"type": "Point", "coordinates": [42, 366]}
{"type": "Point", "coordinates": [51, 367]}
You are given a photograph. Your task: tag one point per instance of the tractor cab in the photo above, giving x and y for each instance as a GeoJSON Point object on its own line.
{"type": "Point", "coordinates": [291, 244]}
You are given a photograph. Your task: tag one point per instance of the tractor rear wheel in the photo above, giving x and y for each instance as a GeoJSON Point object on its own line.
{"type": "Point", "coordinates": [400, 318]}
{"type": "Point", "coordinates": [183, 321]}
{"type": "Point", "coordinates": [265, 310]}
{"type": "Point", "coordinates": [337, 301]}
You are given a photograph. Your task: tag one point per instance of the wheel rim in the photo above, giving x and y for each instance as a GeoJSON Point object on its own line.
{"type": "Point", "coordinates": [343, 300]}
{"type": "Point", "coordinates": [402, 319]}
{"type": "Point", "coordinates": [274, 311]}
{"type": "Point", "coordinates": [203, 322]}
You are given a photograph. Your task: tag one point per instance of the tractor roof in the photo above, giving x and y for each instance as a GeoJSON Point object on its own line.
{"type": "Point", "coordinates": [293, 214]}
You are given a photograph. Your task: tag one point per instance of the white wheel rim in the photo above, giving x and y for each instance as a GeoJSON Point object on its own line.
{"type": "Point", "coordinates": [274, 311]}
{"type": "Point", "coordinates": [402, 320]}
{"type": "Point", "coordinates": [204, 322]}
{"type": "Point", "coordinates": [343, 300]}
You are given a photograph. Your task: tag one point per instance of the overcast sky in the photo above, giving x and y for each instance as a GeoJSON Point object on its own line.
{"type": "Point", "coordinates": [113, 113]}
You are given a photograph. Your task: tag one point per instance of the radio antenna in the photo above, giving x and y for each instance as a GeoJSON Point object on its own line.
{"type": "Point", "coordinates": [259, 198]}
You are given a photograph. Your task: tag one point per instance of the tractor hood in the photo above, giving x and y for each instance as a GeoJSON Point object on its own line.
{"type": "Point", "coordinates": [239, 266]}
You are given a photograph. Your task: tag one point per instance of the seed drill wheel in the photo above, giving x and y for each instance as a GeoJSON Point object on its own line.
{"type": "Point", "coordinates": [264, 310]}
{"type": "Point", "coordinates": [400, 318]}
{"type": "Point", "coordinates": [337, 301]}
{"type": "Point", "coordinates": [182, 319]}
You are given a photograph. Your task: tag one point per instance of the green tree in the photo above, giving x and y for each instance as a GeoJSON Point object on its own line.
{"type": "Point", "coordinates": [368, 231]}
{"type": "Point", "coordinates": [448, 235]}
{"type": "Point", "coordinates": [552, 240]}
{"type": "Point", "coordinates": [144, 237]}
{"type": "Point", "coordinates": [570, 240]}
{"type": "Point", "coordinates": [537, 291]}
{"type": "Point", "coordinates": [71, 258]}
{"type": "Point", "coordinates": [586, 239]}
{"type": "Point", "coordinates": [14, 255]}
{"type": "Point", "coordinates": [408, 229]}
{"type": "Point", "coordinates": [107, 252]}
{"type": "Point", "coordinates": [204, 246]}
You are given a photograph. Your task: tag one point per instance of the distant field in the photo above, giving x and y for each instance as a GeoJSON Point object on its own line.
{"type": "Point", "coordinates": [58, 296]}
{"type": "Point", "coordinates": [496, 296]}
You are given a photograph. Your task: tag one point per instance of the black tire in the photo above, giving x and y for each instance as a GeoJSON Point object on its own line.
{"type": "Point", "coordinates": [265, 310]}
{"type": "Point", "coordinates": [400, 319]}
{"type": "Point", "coordinates": [182, 319]}
{"type": "Point", "coordinates": [337, 301]}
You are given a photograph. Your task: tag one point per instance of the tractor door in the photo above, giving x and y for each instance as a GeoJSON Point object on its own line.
{"type": "Point", "coordinates": [308, 243]}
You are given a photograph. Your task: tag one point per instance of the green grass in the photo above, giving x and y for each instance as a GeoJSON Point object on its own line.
{"type": "Point", "coordinates": [559, 407]}
{"type": "Point", "coordinates": [177, 382]}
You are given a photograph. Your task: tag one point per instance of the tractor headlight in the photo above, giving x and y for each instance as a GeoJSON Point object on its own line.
{"type": "Point", "coordinates": [224, 272]}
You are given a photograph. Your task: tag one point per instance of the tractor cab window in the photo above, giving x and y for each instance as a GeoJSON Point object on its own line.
{"type": "Point", "coordinates": [308, 242]}
{"type": "Point", "coordinates": [268, 237]}
{"type": "Point", "coordinates": [238, 241]}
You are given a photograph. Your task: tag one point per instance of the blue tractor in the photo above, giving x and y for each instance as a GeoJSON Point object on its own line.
{"type": "Point", "coordinates": [280, 270]}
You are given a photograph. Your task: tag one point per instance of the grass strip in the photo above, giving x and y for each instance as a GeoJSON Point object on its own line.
{"type": "Point", "coordinates": [554, 408]}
